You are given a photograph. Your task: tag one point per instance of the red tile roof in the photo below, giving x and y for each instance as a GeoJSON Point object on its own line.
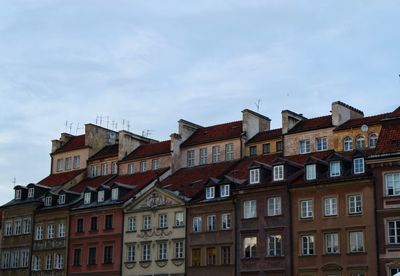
{"type": "Point", "coordinates": [389, 138]}
{"type": "Point", "coordinates": [76, 142]}
{"type": "Point", "coordinates": [215, 133]}
{"type": "Point", "coordinates": [370, 120]}
{"type": "Point", "coordinates": [59, 179]}
{"type": "Point", "coordinates": [266, 135]}
{"type": "Point", "coordinates": [190, 181]}
{"type": "Point", "coordinates": [241, 170]}
{"type": "Point", "coordinates": [149, 150]}
{"type": "Point", "coordinates": [93, 182]}
{"type": "Point", "coordinates": [107, 151]}
{"type": "Point", "coordinates": [312, 124]}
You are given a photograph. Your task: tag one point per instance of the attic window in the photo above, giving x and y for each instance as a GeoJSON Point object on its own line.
{"type": "Point", "coordinates": [114, 194]}
{"type": "Point", "coordinates": [358, 165]}
{"type": "Point", "coordinates": [31, 192]}
{"type": "Point", "coordinates": [47, 201]}
{"type": "Point", "coordinates": [224, 190]}
{"type": "Point", "coordinates": [311, 172]}
{"type": "Point", "coordinates": [210, 192]}
{"type": "Point", "coordinates": [254, 176]}
{"type": "Point", "coordinates": [61, 199]}
{"type": "Point", "coordinates": [100, 196]}
{"type": "Point", "coordinates": [87, 198]}
{"type": "Point", "coordinates": [17, 194]}
{"type": "Point", "coordinates": [278, 173]}
{"type": "Point", "coordinates": [334, 168]}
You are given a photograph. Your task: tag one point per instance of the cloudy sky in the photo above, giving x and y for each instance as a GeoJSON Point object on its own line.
{"type": "Point", "coordinates": [154, 62]}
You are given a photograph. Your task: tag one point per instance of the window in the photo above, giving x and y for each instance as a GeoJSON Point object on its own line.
{"type": "Point", "coordinates": [197, 224]}
{"type": "Point", "coordinates": [203, 156]}
{"type": "Point", "coordinates": [274, 206]}
{"type": "Point", "coordinates": [146, 252]}
{"type": "Point", "coordinates": [307, 245]}
{"type": "Point", "coordinates": [93, 224]}
{"type": "Point", "coordinates": [330, 206]}
{"type": "Point", "coordinates": [104, 169]}
{"type": "Point", "coordinates": [130, 169]}
{"type": "Point", "coordinates": [5, 260]}
{"type": "Point", "coordinates": [9, 228]}
{"type": "Point", "coordinates": [26, 226]}
{"type": "Point", "coordinates": [179, 219]}
{"type": "Point", "coordinates": [306, 209]}
{"type": "Point", "coordinates": [143, 166]}
{"type": "Point", "coordinates": [93, 170]}
{"type": "Point", "coordinates": [179, 250]}
{"type": "Point", "coordinates": [36, 263]}
{"type": "Point", "coordinates": [114, 194]}
{"type": "Point", "coordinates": [17, 226]}
{"type": "Point", "coordinates": [48, 262]}
{"type": "Point", "coordinates": [266, 148]}
{"type": "Point", "coordinates": [61, 230]}
{"type": "Point", "coordinates": [154, 164]}
{"type": "Point", "coordinates": [347, 143]}
{"type": "Point", "coordinates": [216, 154]}
{"type": "Point", "coordinates": [229, 152]}
{"type": "Point", "coordinates": [360, 142]}
{"type": "Point", "coordinates": [331, 243]}
{"type": "Point", "coordinates": [322, 143]}
{"type": "Point", "coordinates": [130, 253]}
{"type": "Point", "coordinates": [226, 221]}
{"type": "Point", "coordinates": [50, 231]}
{"type": "Point", "coordinates": [372, 140]}
{"type": "Point", "coordinates": [393, 271]}
{"type": "Point", "coordinates": [311, 173]}
{"type": "Point", "coordinates": [79, 225]}
{"type": "Point", "coordinates": [92, 256]}
{"type": "Point", "coordinates": [225, 190]}
{"type": "Point", "coordinates": [162, 251]}
{"type": "Point", "coordinates": [77, 162]}
{"type": "Point", "coordinates": [190, 158]}
{"type": "Point", "coordinates": [196, 257]}
{"type": "Point", "coordinates": [279, 146]}
{"type": "Point", "coordinates": [394, 232]}
{"type": "Point", "coordinates": [100, 196]}
{"type": "Point", "coordinates": [226, 255]}
{"type": "Point", "coordinates": [87, 198]}
{"type": "Point", "coordinates": [47, 201]}
{"type": "Point", "coordinates": [274, 245]}
{"type": "Point", "coordinates": [60, 164]}
{"type": "Point", "coordinates": [358, 165]}
{"type": "Point", "coordinates": [278, 173]}
{"type": "Point", "coordinates": [132, 224]}
{"type": "Point", "coordinates": [31, 192]}
{"type": "Point", "coordinates": [17, 194]}
{"type": "Point", "coordinates": [210, 192]}
{"type": "Point", "coordinates": [355, 204]}
{"type": "Point", "coordinates": [163, 221]}
{"type": "Point", "coordinates": [68, 163]}
{"type": "Point", "coordinates": [392, 184]}
{"type": "Point", "coordinates": [249, 209]}
{"type": "Point", "coordinates": [211, 220]}
{"type": "Point", "coordinates": [253, 150]}
{"type": "Point", "coordinates": [356, 239]}
{"type": "Point", "coordinates": [109, 222]}
{"type": "Point", "coordinates": [305, 146]}
{"type": "Point", "coordinates": [14, 258]}
{"type": "Point", "coordinates": [77, 257]}
{"type": "Point", "coordinates": [61, 199]}
{"type": "Point", "coordinates": [146, 222]}
{"type": "Point", "coordinates": [108, 254]}
{"type": "Point", "coordinates": [24, 257]}
{"type": "Point", "coordinates": [211, 256]}
{"type": "Point", "coordinates": [334, 168]}
{"type": "Point", "coordinates": [250, 247]}
{"type": "Point", "coordinates": [39, 232]}
{"type": "Point", "coordinates": [59, 261]}
{"type": "Point", "coordinates": [114, 168]}
{"type": "Point", "coordinates": [254, 176]}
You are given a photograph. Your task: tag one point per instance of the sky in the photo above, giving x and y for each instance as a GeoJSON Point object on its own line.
{"type": "Point", "coordinates": [154, 62]}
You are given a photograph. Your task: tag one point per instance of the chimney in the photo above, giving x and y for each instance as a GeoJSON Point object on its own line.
{"type": "Point", "coordinates": [290, 119]}
{"type": "Point", "coordinates": [342, 112]}
{"type": "Point", "coordinates": [128, 142]}
{"type": "Point", "coordinates": [254, 123]}
{"type": "Point", "coordinates": [56, 144]}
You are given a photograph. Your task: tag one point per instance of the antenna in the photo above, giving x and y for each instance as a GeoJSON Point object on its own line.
{"type": "Point", "coordinates": [77, 128]}
{"type": "Point", "coordinates": [70, 127]}
{"type": "Point", "coordinates": [123, 124]}
{"type": "Point", "coordinates": [107, 120]}
{"type": "Point", "coordinates": [257, 103]}
{"type": "Point", "coordinates": [66, 126]}
{"type": "Point", "coordinates": [97, 119]}
{"type": "Point", "coordinates": [127, 125]}
{"type": "Point", "coordinates": [14, 181]}
{"type": "Point", "coordinates": [101, 120]}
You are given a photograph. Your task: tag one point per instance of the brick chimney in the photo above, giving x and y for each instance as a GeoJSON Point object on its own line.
{"type": "Point", "coordinates": [254, 123]}
{"type": "Point", "coordinates": [342, 112]}
{"type": "Point", "coordinates": [56, 144]}
{"type": "Point", "coordinates": [128, 142]}
{"type": "Point", "coordinates": [290, 119]}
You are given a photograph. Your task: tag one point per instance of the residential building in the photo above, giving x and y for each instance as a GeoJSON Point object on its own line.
{"type": "Point", "coordinates": [265, 142]}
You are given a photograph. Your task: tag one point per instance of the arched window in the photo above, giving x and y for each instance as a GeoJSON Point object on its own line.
{"type": "Point", "coordinates": [360, 142]}
{"type": "Point", "coordinates": [347, 143]}
{"type": "Point", "coordinates": [373, 139]}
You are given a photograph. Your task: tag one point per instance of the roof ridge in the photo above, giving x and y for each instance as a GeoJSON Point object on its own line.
{"type": "Point", "coordinates": [223, 124]}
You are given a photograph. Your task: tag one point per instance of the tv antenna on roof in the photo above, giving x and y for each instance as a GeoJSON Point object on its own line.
{"type": "Point", "coordinates": [258, 103]}
{"type": "Point", "coordinates": [128, 124]}
{"type": "Point", "coordinates": [77, 128]}
{"type": "Point", "coordinates": [147, 133]}
{"type": "Point", "coordinates": [14, 181]}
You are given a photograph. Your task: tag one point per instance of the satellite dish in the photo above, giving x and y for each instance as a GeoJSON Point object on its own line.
{"type": "Point", "coordinates": [364, 128]}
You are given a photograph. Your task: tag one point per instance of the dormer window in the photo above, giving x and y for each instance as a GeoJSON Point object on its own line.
{"type": "Point", "coordinates": [87, 198]}
{"type": "Point", "coordinates": [210, 192]}
{"type": "Point", "coordinates": [114, 194]}
{"type": "Point", "coordinates": [104, 169]}
{"type": "Point", "coordinates": [61, 199]}
{"type": "Point", "coordinates": [93, 171]}
{"type": "Point", "coordinates": [311, 172]}
{"type": "Point", "coordinates": [278, 173]}
{"type": "Point", "coordinates": [18, 194]}
{"type": "Point", "coordinates": [358, 164]}
{"type": "Point", "coordinates": [143, 166]}
{"type": "Point", "coordinates": [254, 176]}
{"type": "Point", "coordinates": [305, 146]}
{"type": "Point", "coordinates": [100, 196]}
{"type": "Point", "coordinates": [31, 192]}
{"type": "Point", "coordinates": [334, 168]}
{"type": "Point", "coordinates": [225, 190]}
{"type": "Point", "coordinates": [114, 168]}
{"type": "Point", "coordinates": [47, 201]}
{"type": "Point", "coordinates": [130, 169]}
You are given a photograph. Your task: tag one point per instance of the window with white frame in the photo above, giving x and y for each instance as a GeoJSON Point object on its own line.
{"type": "Point", "coordinates": [143, 165]}
{"type": "Point", "coordinates": [331, 243]}
{"type": "Point", "coordinates": [5, 259]}
{"type": "Point", "coordinates": [24, 258]}
{"type": "Point", "coordinates": [8, 228]}
{"type": "Point", "coordinates": [61, 230]}
{"type": "Point", "coordinates": [322, 143]}
{"type": "Point", "coordinates": [347, 143]}
{"type": "Point", "coordinates": [114, 194]}
{"type": "Point", "coordinates": [274, 206]}
{"type": "Point", "coordinates": [104, 169]}
{"type": "Point", "coordinates": [307, 245]}
{"type": "Point", "coordinates": [14, 258]}
{"type": "Point", "coordinates": [130, 169]}
{"type": "Point", "coordinates": [356, 241]}
{"type": "Point", "coordinates": [190, 158]}
{"type": "Point", "coordinates": [48, 200]}
{"type": "Point", "coordinates": [225, 221]}
{"type": "Point", "coordinates": [17, 226]}
{"type": "Point", "coordinates": [18, 194]}
{"type": "Point", "coordinates": [358, 165]}
{"type": "Point", "coordinates": [50, 231]}
{"type": "Point", "coordinates": [249, 209]}
{"type": "Point", "coordinates": [31, 192]}
{"type": "Point", "coordinates": [393, 232]}
{"type": "Point", "coordinates": [305, 146]}
{"type": "Point", "coordinates": [93, 170]}
{"type": "Point", "coordinates": [49, 262]}
{"type": "Point", "coordinates": [26, 226]}
{"type": "Point", "coordinates": [360, 142]}
{"type": "Point", "coordinates": [162, 251]}
{"type": "Point", "coordinates": [216, 154]}
{"type": "Point", "coordinates": [146, 252]}
{"type": "Point", "coordinates": [274, 245]}
{"type": "Point", "coordinates": [60, 165]}
{"type": "Point", "coordinates": [311, 173]}
{"type": "Point", "coordinates": [68, 163]}
{"type": "Point", "coordinates": [114, 167]}
{"type": "Point", "coordinates": [250, 247]}
{"type": "Point", "coordinates": [254, 176]}
{"type": "Point", "coordinates": [132, 224]}
{"type": "Point", "coordinates": [100, 196]}
{"type": "Point", "coordinates": [355, 204]}
{"type": "Point", "coordinates": [229, 152]}
{"type": "Point", "coordinates": [39, 232]}
{"type": "Point", "coordinates": [210, 192]}
{"type": "Point", "coordinates": [372, 140]}
{"type": "Point", "coordinates": [330, 206]}
{"type": "Point", "coordinates": [87, 198]}
{"type": "Point", "coordinates": [163, 220]}
{"type": "Point", "coordinates": [77, 161]}
{"type": "Point", "coordinates": [203, 156]}
{"type": "Point", "coordinates": [392, 184]}
{"type": "Point", "coordinates": [61, 199]}
{"type": "Point", "coordinates": [130, 253]}
{"type": "Point", "coordinates": [278, 173]}
{"type": "Point", "coordinates": [393, 271]}
{"type": "Point", "coordinates": [154, 164]}
{"type": "Point", "coordinates": [197, 224]}
{"type": "Point", "coordinates": [179, 250]}
{"type": "Point", "coordinates": [179, 219]}
{"type": "Point", "coordinates": [146, 222]}
{"type": "Point", "coordinates": [36, 263]}
{"type": "Point", "coordinates": [211, 221]}
{"type": "Point", "coordinates": [224, 190]}
{"type": "Point", "coordinates": [306, 209]}
{"type": "Point", "coordinates": [334, 168]}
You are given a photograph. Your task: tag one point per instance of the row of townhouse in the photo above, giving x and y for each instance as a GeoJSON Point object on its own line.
{"type": "Point", "coordinates": [318, 196]}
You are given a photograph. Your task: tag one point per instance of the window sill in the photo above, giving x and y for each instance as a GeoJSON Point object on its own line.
{"type": "Point", "coordinates": [162, 228]}
{"type": "Point", "coordinates": [178, 226]}
{"type": "Point", "coordinates": [308, 256]}
{"type": "Point", "coordinates": [132, 231]}
{"type": "Point", "coordinates": [355, 214]}
{"type": "Point", "coordinates": [273, 216]}
{"type": "Point", "coordinates": [274, 257]}
{"type": "Point", "coordinates": [331, 254]}
{"type": "Point", "coordinates": [250, 258]}
{"type": "Point", "coordinates": [356, 253]}
{"type": "Point", "coordinates": [108, 229]}
{"type": "Point", "coordinates": [93, 231]}
{"type": "Point", "coordinates": [249, 219]}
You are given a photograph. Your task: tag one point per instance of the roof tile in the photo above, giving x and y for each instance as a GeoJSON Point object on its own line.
{"type": "Point", "coordinates": [107, 151]}
{"type": "Point", "coordinates": [59, 179]}
{"type": "Point", "coordinates": [312, 124]}
{"type": "Point", "coordinates": [76, 142]}
{"type": "Point", "coordinates": [151, 149]}
{"type": "Point", "coordinates": [266, 135]}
